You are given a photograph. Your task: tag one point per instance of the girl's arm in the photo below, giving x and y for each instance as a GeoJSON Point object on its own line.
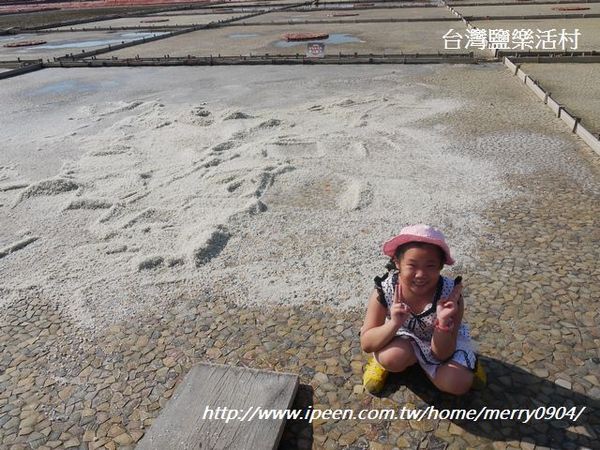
{"type": "Point", "coordinates": [376, 332]}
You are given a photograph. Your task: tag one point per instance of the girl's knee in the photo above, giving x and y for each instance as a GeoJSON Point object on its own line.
{"type": "Point", "coordinates": [396, 359]}
{"type": "Point", "coordinates": [458, 387]}
{"type": "Point", "coordinates": [453, 380]}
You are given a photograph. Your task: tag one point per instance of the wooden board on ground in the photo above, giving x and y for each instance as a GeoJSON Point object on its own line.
{"type": "Point", "coordinates": [185, 422]}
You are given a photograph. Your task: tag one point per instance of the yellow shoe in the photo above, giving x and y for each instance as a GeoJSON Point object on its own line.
{"type": "Point", "coordinates": [480, 377]}
{"type": "Point", "coordinates": [374, 376]}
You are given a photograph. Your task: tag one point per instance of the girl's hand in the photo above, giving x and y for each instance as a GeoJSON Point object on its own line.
{"type": "Point", "coordinates": [447, 310]}
{"type": "Point", "coordinates": [399, 311]}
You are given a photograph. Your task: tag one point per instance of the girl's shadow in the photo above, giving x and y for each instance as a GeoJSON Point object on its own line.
{"type": "Point", "coordinates": [511, 388]}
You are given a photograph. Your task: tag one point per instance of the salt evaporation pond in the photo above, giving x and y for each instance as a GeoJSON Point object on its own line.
{"type": "Point", "coordinates": [123, 37]}
{"type": "Point", "coordinates": [336, 38]}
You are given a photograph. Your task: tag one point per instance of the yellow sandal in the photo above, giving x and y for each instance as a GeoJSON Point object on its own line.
{"type": "Point", "coordinates": [480, 377]}
{"type": "Point", "coordinates": [374, 376]}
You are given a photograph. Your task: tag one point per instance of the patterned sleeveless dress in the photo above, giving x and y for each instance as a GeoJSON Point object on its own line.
{"type": "Point", "coordinates": [419, 327]}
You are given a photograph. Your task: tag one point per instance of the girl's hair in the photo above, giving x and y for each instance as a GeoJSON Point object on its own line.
{"type": "Point", "coordinates": [402, 249]}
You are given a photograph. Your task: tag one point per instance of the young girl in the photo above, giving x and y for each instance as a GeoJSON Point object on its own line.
{"type": "Point", "coordinates": [415, 315]}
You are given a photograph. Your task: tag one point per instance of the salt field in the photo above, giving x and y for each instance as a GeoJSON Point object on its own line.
{"type": "Point", "coordinates": [529, 10]}
{"type": "Point", "coordinates": [153, 218]}
{"type": "Point", "coordinates": [206, 11]}
{"type": "Point", "coordinates": [131, 215]}
{"type": "Point", "coordinates": [588, 38]}
{"type": "Point", "coordinates": [171, 21]}
{"type": "Point", "coordinates": [367, 14]}
{"type": "Point", "coordinates": [422, 37]}
{"type": "Point", "coordinates": [538, 3]}
{"type": "Point", "coordinates": [65, 43]}
{"type": "Point", "coordinates": [574, 85]}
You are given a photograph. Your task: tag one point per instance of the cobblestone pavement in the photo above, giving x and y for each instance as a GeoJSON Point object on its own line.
{"type": "Point", "coordinates": [532, 305]}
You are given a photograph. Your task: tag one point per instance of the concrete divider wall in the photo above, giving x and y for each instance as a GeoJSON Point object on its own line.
{"type": "Point", "coordinates": [567, 118]}
{"type": "Point", "coordinates": [343, 21]}
{"type": "Point", "coordinates": [508, 63]}
{"type": "Point", "coordinates": [554, 105]}
{"type": "Point", "coordinates": [572, 122]}
{"type": "Point", "coordinates": [537, 89]}
{"type": "Point", "coordinates": [589, 138]}
{"type": "Point", "coordinates": [355, 58]}
{"type": "Point", "coordinates": [21, 70]}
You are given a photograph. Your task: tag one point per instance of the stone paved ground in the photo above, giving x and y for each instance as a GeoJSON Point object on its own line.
{"type": "Point", "coordinates": [532, 304]}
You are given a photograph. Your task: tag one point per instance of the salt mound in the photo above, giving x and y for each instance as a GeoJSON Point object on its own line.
{"type": "Point", "coordinates": [150, 262]}
{"type": "Point", "coordinates": [290, 209]}
{"type": "Point", "coordinates": [199, 116]}
{"type": "Point", "coordinates": [121, 107]}
{"type": "Point", "coordinates": [223, 146]}
{"type": "Point", "coordinates": [200, 111]}
{"type": "Point", "coordinates": [255, 207]}
{"type": "Point", "coordinates": [357, 196]}
{"type": "Point", "coordinates": [211, 244]}
{"type": "Point", "coordinates": [13, 187]}
{"type": "Point", "coordinates": [54, 186]}
{"type": "Point", "coordinates": [88, 203]}
{"type": "Point", "coordinates": [345, 103]}
{"type": "Point", "coordinates": [238, 115]}
{"type": "Point", "coordinates": [110, 152]}
{"type": "Point", "coordinates": [113, 212]}
{"type": "Point", "coordinates": [16, 246]}
{"type": "Point", "coordinates": [269, 124]}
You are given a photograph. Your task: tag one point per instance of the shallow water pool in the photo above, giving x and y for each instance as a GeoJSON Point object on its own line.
{"type": "Point", "coordinates": [123, 37]}
{"type": "Point", "coordinates": [64, 86]}
{"type": "Point", "coordinates": [335, 38]}
{"type": "Point", "coordinates": [242, 35]}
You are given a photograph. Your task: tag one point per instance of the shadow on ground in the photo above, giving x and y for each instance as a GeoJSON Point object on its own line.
{"type": "Point", "coordinates": [298, 434]}
{"type": "Point", "coordinates": [510, 387]}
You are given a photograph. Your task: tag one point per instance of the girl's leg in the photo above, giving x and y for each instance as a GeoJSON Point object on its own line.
{"type": "Point", "coordinates": [397, 356]}
{"type": "Point", "coordinates": [453, 378]}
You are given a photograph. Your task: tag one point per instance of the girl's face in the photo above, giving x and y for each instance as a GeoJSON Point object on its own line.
{"type": "Point", "coordinates": [420, 270]}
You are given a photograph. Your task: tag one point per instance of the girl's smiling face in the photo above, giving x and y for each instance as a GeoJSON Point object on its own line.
{"type": "Point", "coordinates": [420, 268]}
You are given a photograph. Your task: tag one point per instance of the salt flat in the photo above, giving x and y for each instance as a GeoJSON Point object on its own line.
{"type": "Point", "coordinates": [588, 40]}
{"type": "Point", "coordinates": [347, 38]}
{"type": "Point", "coordinates": [59, 44]}
{"type": "Point", "coordinates": [140, 192]}
{"type": "Point", "coordinates": [153, 22]}
{"type": "Point", "coordinates": [573, 85]}
{"type": "Point", "coordinates": [528, 10]}
{"type": "Point", "coordinates": [352, 15]}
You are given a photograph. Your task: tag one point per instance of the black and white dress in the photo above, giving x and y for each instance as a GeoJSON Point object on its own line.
{"type": "Point", "coordinates": [419, 327]}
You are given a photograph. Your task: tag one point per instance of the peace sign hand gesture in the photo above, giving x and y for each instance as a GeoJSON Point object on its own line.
{"type": "Point", "coordinates": [448, 309]}
{"type": "Point", "coordinates": [399, 311]}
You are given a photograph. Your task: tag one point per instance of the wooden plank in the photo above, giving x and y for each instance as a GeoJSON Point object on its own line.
{"type": "Point", "coordinates": [185, 422]}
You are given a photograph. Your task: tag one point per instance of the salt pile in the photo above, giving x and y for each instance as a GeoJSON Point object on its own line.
{"type": "Point", "coordinates": [179, 189]}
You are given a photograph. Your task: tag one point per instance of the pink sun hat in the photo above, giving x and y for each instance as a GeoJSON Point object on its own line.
{"type": "Point", "coordinates": [418, 233]}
